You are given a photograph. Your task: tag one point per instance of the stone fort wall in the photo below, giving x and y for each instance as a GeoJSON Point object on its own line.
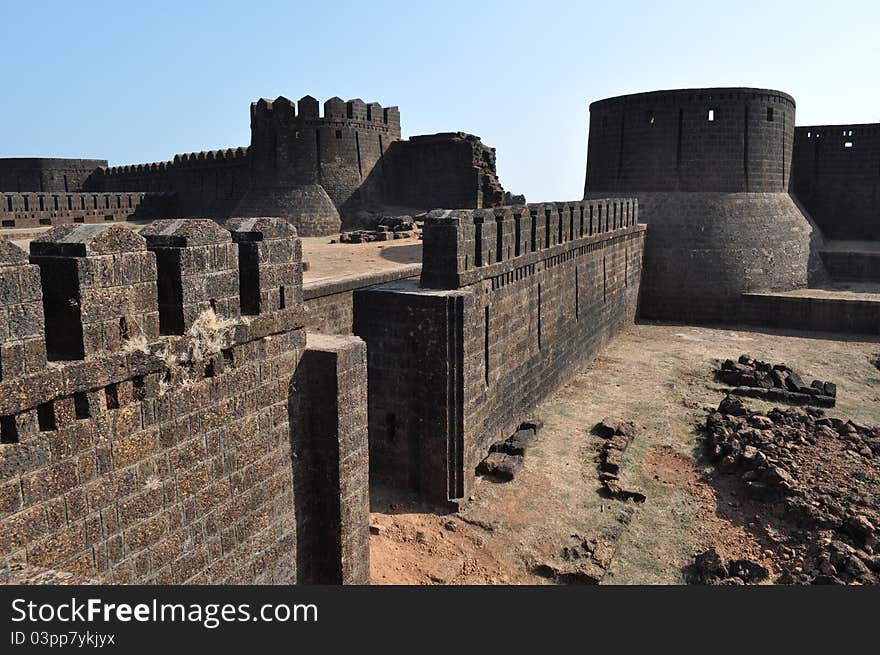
{"type": "Point", "coordinates": [203, 183]}
{"type": "Point", "coordinates": [836, 176]}
{"type": "Point", "coordinates": [151, 428]}
{"type": "Point", "coordinates": [711, 169]}
{"type": "Point", "coordinates": [40, 174]}
{"type": "Point", "coordinates": [510, 302]}
{"type": "Point", "coordinates": [29, 210]}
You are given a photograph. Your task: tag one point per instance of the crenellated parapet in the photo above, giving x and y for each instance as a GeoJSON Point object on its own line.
{"type": "Point", "coordinates": [132, 456]}
{"type": "Point", "coordinates": [44, 209]}
{"type": "Point", "coordinates": [22, 346]}
{"type": "Point", "coordinates": [99, 289]}
{"type": "Point", "coordinates": [92, 292]}
{"type": "Point", "coordinates": [199, 271]}
{"type": "Point", "coordinates": [205, 158]}
{"type": "Point", "coordinates": [270, 273]}
{"type": "Point", "coordinates": [464, 246]}
{"type": "Point", "coordinates": [336, 112]}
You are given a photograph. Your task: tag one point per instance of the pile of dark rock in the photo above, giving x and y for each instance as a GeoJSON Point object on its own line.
{"type": "Point", "coordinates": [385, 229]}
{"type": "Point", "coordinates": [585, 560]}
{"type": "Point", "coordinates": [774, 382]}
{"type": "Point", "coordinates": [818, 478]}
{"type": "Point", "coordinates": [618, 435]}
{"type": "Point", "coordinates": [709, 569]}
{"type": "Point", "coordinates": [506, 457]}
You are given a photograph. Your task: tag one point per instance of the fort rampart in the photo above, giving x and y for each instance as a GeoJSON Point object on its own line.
{"type": "Point", "coordinates": [151, 428]}
{"type": "Point", "coordinates": [836, 175]}
{"type": "Point", "coordinates": [27, 210]}
{"type": "Point", "coordinates": [511, 301]}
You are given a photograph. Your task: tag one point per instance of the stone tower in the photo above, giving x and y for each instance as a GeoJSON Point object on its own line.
{"type": "Point", "coordinates": [711, 170]}
{"type": "Point", "coordinates": [317, 171]}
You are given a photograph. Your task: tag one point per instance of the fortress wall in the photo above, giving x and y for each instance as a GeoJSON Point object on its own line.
{"type": "Point", "coordinates": [155, 446]}
{"type": "Point", "coordinates": [329, 305]}
{"type": "Point", "coordinates": [204, 183]}
{"type": "Point", "coordinates": [43, 174]}
{"type": "Point", "coordinates": [332, 475]}
{"type": "Point", "coordinates": [511, 302]}
{"type": "Point", "coordinates": [39, 209]}
{"type": "Point", "coordinates": [18, 210]}
{"type": "Point", "coordinates": [837, 177]}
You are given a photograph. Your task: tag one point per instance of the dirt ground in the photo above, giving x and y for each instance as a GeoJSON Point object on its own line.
{"type": "Point", "coordinates": [331, 260]}
{"type": "Point", "coordinates": [661, 378]}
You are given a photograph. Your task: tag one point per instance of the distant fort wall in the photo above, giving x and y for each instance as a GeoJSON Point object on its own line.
{"type": "Point", "coordinates": [836, 175]}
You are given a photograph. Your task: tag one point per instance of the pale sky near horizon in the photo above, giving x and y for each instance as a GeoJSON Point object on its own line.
{"type": "Point", "coordinates": [136, 82]}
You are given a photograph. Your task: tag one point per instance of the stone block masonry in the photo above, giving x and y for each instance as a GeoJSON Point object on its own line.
{"type": "Point", "coordinates": [133, 456]}
{"type": "Point", "coordinates": [331, 461]}
{"type": "Point", "coordinates": [511, 301]}
{"type": "Point", "coordinates": [836, 175]}
{"type": "Point", "coordinates": [29, 210]}
{"type": "Point", "coordinates": [711, 171]}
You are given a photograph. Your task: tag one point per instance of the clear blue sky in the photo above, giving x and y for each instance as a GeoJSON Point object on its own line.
{"type": "Point", "coordinates": [135, 82]}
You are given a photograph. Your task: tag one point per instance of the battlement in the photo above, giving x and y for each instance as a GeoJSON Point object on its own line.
{"type": "Point", "coordinates": [105, 293]}
{"type": "Point", "coordinates": [464, 246]}
{"type": "Point", "coordinates": [190, 159]}
{"type": "Point", "coordinates": [336, 111]}
{"type": "Point", "coordinates": [42, 209]}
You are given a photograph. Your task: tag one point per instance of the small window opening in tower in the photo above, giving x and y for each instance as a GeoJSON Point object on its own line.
{"type": "Point", "coordinates": [711, 115]}
{"type": "Point", "coordinates": [338, 134]}
{"type": "Point", "coordinates": [848, 144]}
{"type": "Point", "coordinates": [650, 118]}
{"type": "Point", "coordinates": [770, 114]}
{"type": "Point", "coordinates": [809, 134]}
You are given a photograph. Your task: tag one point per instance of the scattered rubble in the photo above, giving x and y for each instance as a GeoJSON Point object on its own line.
{"type": "Point", "coordinates": [585, 560]}
{"type": "Point", "coordinates": [709, 569]}
{"type": "Point", "coordinates": [817, 477]}
{"type": "Point", "coordinates": [618, 435]}
{"type": "Point", "coordinates": [506, 457]}
{"type": "Point", "coordinates": [875, 360]}
{"type": "Point", "coordinates": [774, 382]}
{"type": "Point", "coordinates": [385, 229]}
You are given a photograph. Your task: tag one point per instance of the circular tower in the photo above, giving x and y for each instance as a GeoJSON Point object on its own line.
{"type": "Point", "coordinates": [317, 171]}
{"type": "Point", "coordinates": [711, 170]}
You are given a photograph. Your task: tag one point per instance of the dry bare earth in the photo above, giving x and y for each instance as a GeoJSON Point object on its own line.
{"type": "Point", "coordinates": [659, 377]}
